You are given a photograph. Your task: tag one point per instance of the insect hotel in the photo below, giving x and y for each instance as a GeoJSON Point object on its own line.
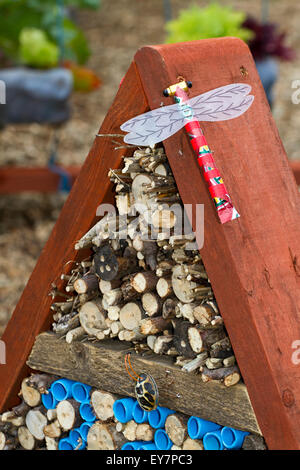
{"type": "Point", "coordinates": [162, 312]}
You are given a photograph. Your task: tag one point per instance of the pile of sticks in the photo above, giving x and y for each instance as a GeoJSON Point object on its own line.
{"type": "Point", "coordinates": [143, 282]}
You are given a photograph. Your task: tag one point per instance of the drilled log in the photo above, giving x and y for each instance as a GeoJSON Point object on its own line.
{"type": "Point", "coordinates": [201, 340]}
{"type": "Point", "coordinates": [144, 282]}
{"type": "Point", "coordinates": [169, 308]}
{"type": "Point", "coordinates": [196, 363]}
{"type": "Point", "coordinates": [182, 288]}
{"type": "Point", "coordinates": [151, 303]}
{"type": "Point", "coordinates": [89, 282]}
{"type": "Point", "coordinates": [113, 312]}
{"type": "Point", "coordinates": [128, 291]}
{"type": "Point", "coordinates": [129, 431]}
{"type": "Point", "coordinates": [76, 334]}
{"type": "Point", "coordinates": [53, 429]}
{"type": "Point", "coordinates": [181, 339]}
{"type": "Point", "coordinates": [192, 444]}
{"type": "Point", "coordinates": [68, 414]}
{"type": "Point", "coordinates": [164, 287]}
{"type": "Point", "coordinates": [107, 286]}
{"type": "Point", "coordinates": [227, 375]}
{"type": "Point", "coordinates": [151, 326]}
{"type": "Point", "coordinates": [176, 428]}
{"type": "Point", "coordinates": [7, 442]}
{"type": "Point", "coordinates": [108, 266]}
{"type": "Point", "coordinates": [30, 394]}
{"type": "Point", "coordinates": [102, 403]}
{"type": "Point", "coordinates": [26, 439]}
{"type": "Point", "coordinates": [162, 344]}
{"type": "Point", "coordinates": [131, 315]}
{"type": "Point", "coordinates": [113, 297]}
{"type": "Point", "coordinates": [35, 422]}
{"type": "Point", "coordinates": [92, 317]}
{"type": "Point", "coordinates": [144, 432]}
{"type": "Point", "coordinates": [221, 349]}
{"type": "Point", "coordinates": [104, 437]}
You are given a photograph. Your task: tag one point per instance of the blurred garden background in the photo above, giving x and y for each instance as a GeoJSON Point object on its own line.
{"type": "Point", "coordinates": [113, 31]}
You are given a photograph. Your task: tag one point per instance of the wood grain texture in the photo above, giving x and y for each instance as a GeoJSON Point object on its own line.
{"type": "Point", "coordinates": [42, 180]}
{"type": "Point", "coordinates": [252, 262]}
{"type": "Point", "coordinates": [102, 365]}
{"type": "Point", "coordinates": [92, 187]}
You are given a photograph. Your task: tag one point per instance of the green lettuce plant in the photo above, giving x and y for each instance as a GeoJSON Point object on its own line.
{"type": "Point", "coordinates": [209, 22]}
{"type": "Point", "coordinates": [36, 50]}
{"type": "Point", "coordinates": [49, 16]}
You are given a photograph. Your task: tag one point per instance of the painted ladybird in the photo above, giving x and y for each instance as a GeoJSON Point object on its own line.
{"type": "Point", "coordinates": [146, 390]}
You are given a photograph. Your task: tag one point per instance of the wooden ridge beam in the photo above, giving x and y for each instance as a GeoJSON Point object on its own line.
{"type": "Point", "coordinates": [43, 180]}
{"type": "Point", "coordinates": [101, 365]}
{"type": "Point", "coordinates": [18, 179]}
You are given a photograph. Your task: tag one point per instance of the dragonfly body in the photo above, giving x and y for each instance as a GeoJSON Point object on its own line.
{"type": "Point", "coordinates": [224, 103]}
{"type": "Point", "coordinates": [216, 186]}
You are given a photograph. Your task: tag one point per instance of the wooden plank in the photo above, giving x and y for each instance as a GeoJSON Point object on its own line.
{"type": "Point", "coordinates": [18, 180]}
{"type": "Point", "coordinates": [102, 365]}
{"type": "Point", "coordinates": [42, 180]}
{"type": "Point", "coordinates": [252, 262]}
{"type": "Point", "coordinates": [92, 187]}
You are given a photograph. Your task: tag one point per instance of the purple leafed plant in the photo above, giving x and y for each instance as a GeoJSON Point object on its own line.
{"type": "Point", "coordinates": [267, 40]}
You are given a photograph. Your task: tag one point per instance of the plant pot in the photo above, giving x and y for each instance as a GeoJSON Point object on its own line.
{"type": "Point", "coordinates": [268, 71]}
{"type": "Point", "coordinates": [40, 96]}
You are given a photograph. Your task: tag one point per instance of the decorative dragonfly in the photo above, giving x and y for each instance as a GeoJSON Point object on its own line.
{"type": "Point", "coordinates": [220, 104]}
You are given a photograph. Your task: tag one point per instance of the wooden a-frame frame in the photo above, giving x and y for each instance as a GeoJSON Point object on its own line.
{"type": "Point", "coordinates": [252, 262]}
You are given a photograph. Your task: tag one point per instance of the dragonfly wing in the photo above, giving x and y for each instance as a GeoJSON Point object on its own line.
{"type": "Point", "coordinates": [153, 126]}
{"type": "Point", "coordinates": [221, 104]}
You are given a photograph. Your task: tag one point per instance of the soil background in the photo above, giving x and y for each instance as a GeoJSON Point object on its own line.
{"type": "Point", "coordinates": [115, 32]}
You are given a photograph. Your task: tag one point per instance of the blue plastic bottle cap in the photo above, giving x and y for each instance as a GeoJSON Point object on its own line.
{"type": "Point", "coordinates": [139, 415]}
{"type": "Point", "coordinates": [193, 427]}
{"type": "Point", "coordinates": [157, 418]}
{"type": "Point", "coordinates": [212, 441]}
{"type": "Point", "coordinates": [86, 412]}
{"type": "Point", "coordinates": [81, 392]}
{"type": "Point", "coordinates": [228, 436]}
{"type": "Point", "coordinates": [60, 391]}
{"type": "Point", "coordinates": [123, 409]}
{"type": "Point", "coordinates": [128, 446]}
{"type": "Point", "coordinates": [120, 411]}
{"type": "Point", "coordinates": [149, 446]}
{"type": "Point", "coordinates": [162, 440]}
{"type": "Point", "coordinates": [49, 401]}
{"type": "Point", "coordinates": [65, 444]}
{"type": "Point", "coordinates": [84, 429]}
{"type": "Point", "coordinates": [76, 439]}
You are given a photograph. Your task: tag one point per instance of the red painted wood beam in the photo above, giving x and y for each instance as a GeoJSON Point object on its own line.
{"type": "Point", "coordinates": [42, 180]}
{"type": "Point", "coordinates": [295, 165]}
